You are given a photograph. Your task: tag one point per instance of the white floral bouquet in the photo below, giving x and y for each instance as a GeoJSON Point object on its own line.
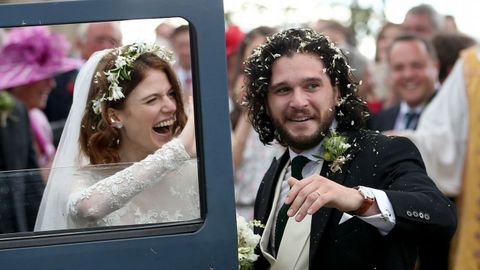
{"type": "Point", "coordinates": [247, 241]}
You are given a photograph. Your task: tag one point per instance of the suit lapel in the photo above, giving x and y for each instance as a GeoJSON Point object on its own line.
{"type": "Point", "coordinates": [265, 203]}
{"type": "Point", "coordinates": [393, 117]}
{"type": "Point", "coordinates": [320, 219]}
{"type": "Point", "coordinates": [266, 192]}
{"type": "Point", "coordinates": [10, 146]}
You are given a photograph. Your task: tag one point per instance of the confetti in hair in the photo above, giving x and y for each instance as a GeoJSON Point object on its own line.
{"type": "Point", "coordinates": [286, 43]}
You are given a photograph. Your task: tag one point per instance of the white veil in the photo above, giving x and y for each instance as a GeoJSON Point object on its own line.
{"type": "Point", "coordinates": [52, 214]}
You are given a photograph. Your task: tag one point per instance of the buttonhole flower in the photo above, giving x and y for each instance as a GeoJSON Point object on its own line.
{"type": "Point", "coordinates": [334, 147]}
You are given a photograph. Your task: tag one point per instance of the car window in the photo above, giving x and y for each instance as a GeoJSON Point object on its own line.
{"type": "Point", "coordinates": [107, 194]}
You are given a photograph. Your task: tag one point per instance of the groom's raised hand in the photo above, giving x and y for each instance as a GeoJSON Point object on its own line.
{"type": "Point", "coordinates": [310, 194]}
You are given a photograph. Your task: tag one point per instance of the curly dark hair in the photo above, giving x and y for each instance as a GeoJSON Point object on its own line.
{"type": "Point", "coordinates": [350, 112]}
{"type": "Point", "coordinates": [98, 139]}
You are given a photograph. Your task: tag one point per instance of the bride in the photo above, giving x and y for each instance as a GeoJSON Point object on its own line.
{"type": "Point", "coordinates": [125, 156]}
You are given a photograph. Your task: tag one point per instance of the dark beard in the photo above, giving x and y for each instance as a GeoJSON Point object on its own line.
{"type": "Point", "coordinates": [304, 143]}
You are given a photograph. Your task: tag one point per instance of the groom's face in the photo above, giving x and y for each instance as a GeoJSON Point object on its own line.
{"type": "Point", "coordinates": [301, 100]}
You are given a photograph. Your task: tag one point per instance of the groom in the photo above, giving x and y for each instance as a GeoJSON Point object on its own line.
{"type": "Point", "coordinates": [342, 199]}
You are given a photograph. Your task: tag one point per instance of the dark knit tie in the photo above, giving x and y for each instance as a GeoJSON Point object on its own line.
{"type": "Point", "coordinates": [296, 167]}
{"type": "Point", "coordinates": [411, 118]}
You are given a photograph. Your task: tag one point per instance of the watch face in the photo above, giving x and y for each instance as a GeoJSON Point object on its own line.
{"type": "Point", "coordinates": [368, 200]}
{"type": "Point", "coordinates": [366, 192]}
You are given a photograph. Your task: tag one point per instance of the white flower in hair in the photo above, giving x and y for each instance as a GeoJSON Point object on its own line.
{"type": "Point", "coordinates": [96, 106]}
{"type": "Point", "coordinates": [123, 68]}
{"type": "Point", "coordinates": [111, 77]}
{"type": "Point", "coordinates": [144, 47]}
{"type": "Point", "coordinates": [120, 61]}
{"type": "Point", "coordinates": [116, 93]}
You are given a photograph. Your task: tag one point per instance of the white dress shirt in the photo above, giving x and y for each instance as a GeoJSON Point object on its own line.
{"type": "Point", "coordinates": [401, 121]}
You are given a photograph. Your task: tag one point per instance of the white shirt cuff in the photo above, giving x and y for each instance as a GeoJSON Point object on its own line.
{"type": "Point", "coordinates": [385, 221]}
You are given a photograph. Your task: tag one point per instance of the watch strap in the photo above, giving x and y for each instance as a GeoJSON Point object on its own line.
{"type": "Point", "coordinates": [366, 203]}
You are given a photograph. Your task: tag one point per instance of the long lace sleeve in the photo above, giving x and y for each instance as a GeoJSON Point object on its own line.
{"type": "Point", "coordinates": [107, 195]}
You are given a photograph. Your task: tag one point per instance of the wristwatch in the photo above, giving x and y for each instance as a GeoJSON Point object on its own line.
{"type": "Point", "coordinates": [368, 200]}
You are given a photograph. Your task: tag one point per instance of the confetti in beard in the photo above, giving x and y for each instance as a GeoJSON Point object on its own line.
{"type": "Point", "coordinates": [305, 142]}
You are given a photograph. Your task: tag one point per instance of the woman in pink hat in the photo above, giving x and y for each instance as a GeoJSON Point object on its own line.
{"type": "Point", "coordinates": [29, 59]}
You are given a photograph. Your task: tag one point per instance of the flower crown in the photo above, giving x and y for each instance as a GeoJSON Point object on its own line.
{"type": "Point", "coordinates": [123, 68]}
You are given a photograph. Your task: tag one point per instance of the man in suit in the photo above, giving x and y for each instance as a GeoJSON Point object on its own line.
{"type": "Point", "coordinates": [90, 37]}
{"type": "Point", "coordinates": [448, 139]}
{"type": "Point", "coordinates": [365, 200]}
{"type": "Point", "coordinates": [413, 72]}
{"type": "Point", "coordinates": [20, 191]}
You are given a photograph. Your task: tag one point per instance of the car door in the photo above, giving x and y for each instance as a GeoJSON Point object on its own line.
{"type": "Point", "coordinates": [206, 243]}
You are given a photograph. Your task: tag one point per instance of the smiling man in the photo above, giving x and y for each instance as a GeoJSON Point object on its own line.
{"type": "Point", "coordinates": [413, 72]}
{"type": "Point", "coordinates": [299, 124]}
{"type": "Point", "coordinates": [358, 199]}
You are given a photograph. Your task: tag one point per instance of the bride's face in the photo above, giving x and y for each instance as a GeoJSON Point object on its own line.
{"type": "Point", "coordinates": [148, 116]}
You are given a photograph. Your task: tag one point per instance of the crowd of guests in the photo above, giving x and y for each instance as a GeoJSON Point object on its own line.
{"type": "Point", "coordinates": [421, 84]}
{"type": "Point", "coordinates": [405, 88]}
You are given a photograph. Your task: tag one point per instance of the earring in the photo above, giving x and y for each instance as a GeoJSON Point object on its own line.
{"type": "Point", "coordinates": [117, 125]}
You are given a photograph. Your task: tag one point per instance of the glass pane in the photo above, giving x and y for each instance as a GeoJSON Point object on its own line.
{"type": "Point", "coordinates": [120, 194]}
{"type": "Point", "coordinates": [20, 196]}
{"type": "Point", "coordinates": [113, 161]}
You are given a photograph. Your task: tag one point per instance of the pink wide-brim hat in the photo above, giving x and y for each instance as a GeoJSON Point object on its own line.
{"type": "Point", "coordinates": [31, 54]}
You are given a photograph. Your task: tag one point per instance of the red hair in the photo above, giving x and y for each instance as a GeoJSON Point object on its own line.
{"type": "Point", "coordinates": [98, 139]}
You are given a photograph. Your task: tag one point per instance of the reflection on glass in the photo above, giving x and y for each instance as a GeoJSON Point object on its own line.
{"type": "Point", "coordinates": [20, 195]}
{"type": "Point", "coordinates": [127, 149]}
{"type": "Point", "coordinates": [180, 42]}
{"type": "Point", "coordinates": [122, 194]}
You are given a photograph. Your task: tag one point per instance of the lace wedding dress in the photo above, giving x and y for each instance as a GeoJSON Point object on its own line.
{"type": "Point", "coordinates": [161, 188]}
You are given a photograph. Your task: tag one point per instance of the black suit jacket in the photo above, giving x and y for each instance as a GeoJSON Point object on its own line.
{"type": "Point", "coordinates": [385, 120]}
{"type": "Point", "coordinates": [391, 164]}
{"type": "Point", "coordinates": [20, 191]}
{"type": "Point", "coordinates": [59, 102]}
